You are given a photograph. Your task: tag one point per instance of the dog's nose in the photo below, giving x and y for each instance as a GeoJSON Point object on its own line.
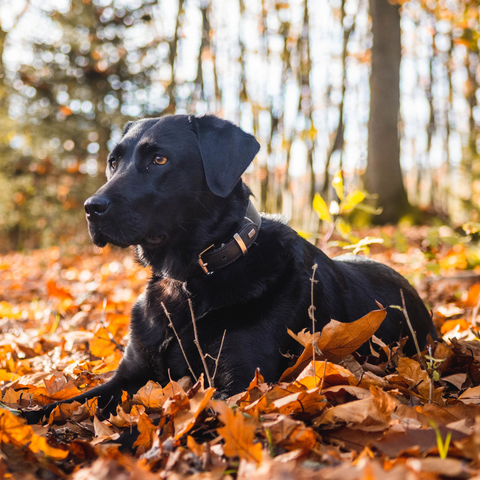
{"type": "Point", "coordinates": [96, 206]}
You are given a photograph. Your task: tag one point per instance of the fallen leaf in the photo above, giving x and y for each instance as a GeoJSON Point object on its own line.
{"type": "Point", "coordinates": [338, 340]}
{"type": "Point", "coordinates": [371, 414]}
{"type": "Point", "coordinates": [147, 431]}
{"type": "Point", "coordinates": [13, 430]}
{"type": "Point", "coordinates": [237, 434]}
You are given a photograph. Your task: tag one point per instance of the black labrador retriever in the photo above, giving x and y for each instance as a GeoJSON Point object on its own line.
{"type": "Point", "coordinates": [174, 191]}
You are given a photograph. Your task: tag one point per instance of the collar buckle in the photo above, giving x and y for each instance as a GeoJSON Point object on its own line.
{"type": "Point", "coordinates": [203, 264]}
{"type": "Point", "coordinates": [237, 247]}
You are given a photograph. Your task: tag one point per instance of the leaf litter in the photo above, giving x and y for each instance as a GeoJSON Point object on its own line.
{"type": "Point", "coordinates": [64, 317]}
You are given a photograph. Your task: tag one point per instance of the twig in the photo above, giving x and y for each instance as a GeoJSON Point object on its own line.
{"type": "Point", "coordinates": [218, 357]}
{"type": "Point", "coordinates": [197, 343]}
{"type": "Point", "coordinates": [323, 376]}
{"type": "Point", "coordinates": [414, 335]}
{"type": "Point", "coordinates": [430, 389]}
{"type": "Point", "coordinates": [179, 340]}
{"type": "Point", "coordinates": [311, 314]}
{"type": "Point", "coordinates": [417, 346]}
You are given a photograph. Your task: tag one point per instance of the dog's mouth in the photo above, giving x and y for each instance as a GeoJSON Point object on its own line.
{"type": "Point", "coordinates": [148, 241]}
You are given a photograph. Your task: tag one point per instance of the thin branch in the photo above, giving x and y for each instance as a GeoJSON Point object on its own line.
{"type": "Point", "coordinates": [179, 340]}
{"type": "Point", "coordinates": [218, 356]}
{"type": "Point", "coordinates": [414, 335]}
{"type": "Point", "coordinates": [323, 376]}
{"type": "Point", "coordinates": [430, 371]}
{"type": "Point", "coordinates": [197, 343]}
{"type": "Point", "coordinates": [311, 314]}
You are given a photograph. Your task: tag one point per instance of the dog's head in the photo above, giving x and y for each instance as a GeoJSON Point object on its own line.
{"type": "Point", "coordinates": [163, 177]}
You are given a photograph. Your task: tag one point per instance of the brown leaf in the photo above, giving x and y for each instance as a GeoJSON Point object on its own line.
{"type": "Point", "coordinates": [370, 414]}
{"type": "Point", "coordinates": [412, 371]}
{"type": "Point", "coordinates": [123, 419]}
{"type": "Point", "coordinates": [471, 395]}
{"type": "Point", "coordinates": [185, 419]}
{"type": "Point", "coordinates": [338, 340]}
{"type": "Point", "coordinates": [401, 439]}
{"type": "Point", "coordinates": [440, 415]}
{"type": "Point", "coordinates": [290, 434]}
{"type": "Point", "coordinates": [237, 434]}
{"type": "Point", "coordinates": [304, 337]}
{"type": "Point", "coordinates": [305, 404]}
{"type": "Point", "coordinates": [101, 429]}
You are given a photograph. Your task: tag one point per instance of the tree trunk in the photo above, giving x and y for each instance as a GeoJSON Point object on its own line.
{"type": "Point", "coordinates": [384, 175]}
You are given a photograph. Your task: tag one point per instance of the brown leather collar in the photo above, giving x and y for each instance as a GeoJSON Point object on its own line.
{"type": "Point", "coordinates": [212, 260]}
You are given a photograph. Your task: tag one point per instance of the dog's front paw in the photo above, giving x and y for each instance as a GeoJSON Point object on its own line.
{"type": "Point", "coordinates": [36, 416]}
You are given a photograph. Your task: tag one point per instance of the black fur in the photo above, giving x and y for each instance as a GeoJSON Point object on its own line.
{"type": "Point", "coordinates": [173, 212]}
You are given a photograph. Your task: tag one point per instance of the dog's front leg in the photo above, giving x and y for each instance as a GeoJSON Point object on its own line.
{"type": "Point", "coordinates": [134, 371]}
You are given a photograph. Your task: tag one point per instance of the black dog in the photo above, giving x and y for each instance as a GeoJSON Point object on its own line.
{"type": "Point", "coordinates": [174, 191]}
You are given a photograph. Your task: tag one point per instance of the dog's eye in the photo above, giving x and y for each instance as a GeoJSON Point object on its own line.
{"type": "Point", "coordinates": [113, 164]}
{"type": "Point", "coordinates": [159, 160]}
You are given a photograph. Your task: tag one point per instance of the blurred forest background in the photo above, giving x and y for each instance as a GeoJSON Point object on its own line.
{"type": "Point", "coordinates": [385, 92]}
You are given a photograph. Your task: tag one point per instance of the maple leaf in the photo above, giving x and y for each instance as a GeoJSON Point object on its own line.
{"type": "Point", "coordinates": [147, 433]}
{"type": "Point", "coordinates": [151, 395]}
{"type": "Point", "coordinates": [238, 435]}
{"type": "Point", "coordinates": [13, 430]}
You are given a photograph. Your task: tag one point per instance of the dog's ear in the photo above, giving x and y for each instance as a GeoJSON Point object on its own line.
{"type": "Point", "coordinates": [127, 127]}
{"type": "Point", "coordinates": [226, 152]}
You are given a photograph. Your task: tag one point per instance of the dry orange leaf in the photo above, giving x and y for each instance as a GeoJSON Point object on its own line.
{"type": "Point", "coordinates": [237, 434]}
{"type": "Point", "coordinates": [62, 412]}
{"type": "Point", "coordinates": [13, 430]}
{"type": "Point", "coordinates": [56, 291]}
{"type": "Point", "coordinates": [290, 434]}
{"type": "Point", "coordinates": [473, 295]}
{"type": "Point", "coordinates": [306, 403]}
{"type": "Point", "coordinates": [304, 337]}
{"type": "Point", "coordinates": [185, 419]}
{"type": "Point", "coordinates": [123, 419]}
{"type": "Point", "coordinates": [147, 433]}
{"type": "Point", "coordinates": [151, 396]}
{"type": "Point", "coordinates": [449, 325]}
{"type": "Point", "coordinates": [102, 345]}
{"type": "Point", "coordinates": [338, 340]}
{"type": "Point", "coordinates": [334, 375]}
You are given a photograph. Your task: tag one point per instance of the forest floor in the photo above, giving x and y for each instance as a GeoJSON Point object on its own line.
{"type": "Point", "coordinates": [64, 315]}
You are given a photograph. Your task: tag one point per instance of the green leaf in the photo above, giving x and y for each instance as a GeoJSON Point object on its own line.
{"type": "Point", "coordinates": [321, 208]}
{"type": "Point", "coordinates": [352, 200]}
{"type": "Point", "coordinates": [369, 209]}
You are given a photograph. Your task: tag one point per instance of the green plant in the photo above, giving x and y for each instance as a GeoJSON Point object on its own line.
{"type": "Point", "coordinates": [336, 212]}
{"type": "Point", "coordinates": [441, 445]}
